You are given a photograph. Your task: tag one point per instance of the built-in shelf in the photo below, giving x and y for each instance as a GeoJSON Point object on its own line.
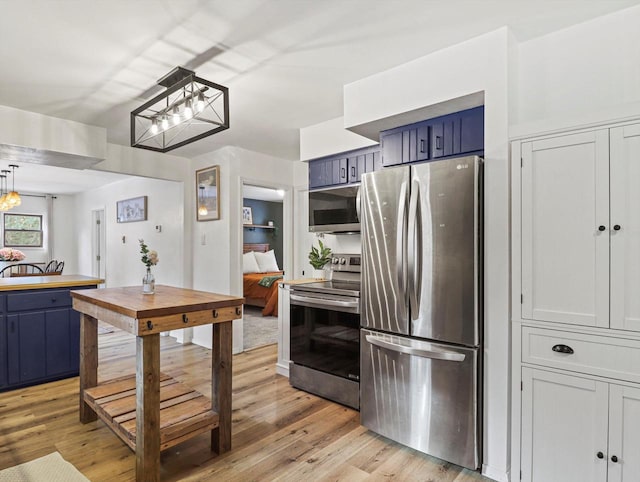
{"type": "Point", "coordinates": [261, 226]}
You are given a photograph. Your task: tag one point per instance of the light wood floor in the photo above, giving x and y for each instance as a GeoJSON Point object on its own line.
{"type": "Point", "coordinates": [279, 433]}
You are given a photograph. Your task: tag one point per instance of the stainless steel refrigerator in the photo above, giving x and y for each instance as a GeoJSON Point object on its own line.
{"type": "Point", "coordinates": [421, 311]}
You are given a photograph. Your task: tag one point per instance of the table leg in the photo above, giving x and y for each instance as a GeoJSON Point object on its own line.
{"type": "Point", "coordinates": [221, 385]}
{"type": "Point", "coordinates": [88, 363]}
{"type": "Point", "coordinates": [148, 408]}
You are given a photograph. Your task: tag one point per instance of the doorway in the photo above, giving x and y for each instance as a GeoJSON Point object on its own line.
{"type": "Point", "coordinates": [263, 227]}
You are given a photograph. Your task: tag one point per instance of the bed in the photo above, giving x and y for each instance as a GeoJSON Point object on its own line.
{"type": "Point", "coordinates": [265, 297]}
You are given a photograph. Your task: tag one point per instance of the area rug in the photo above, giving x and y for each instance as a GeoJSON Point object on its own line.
{"type": "Point", "coordinates": [258, 330]}
{"type": "Point", "coordinates": [50, 468]}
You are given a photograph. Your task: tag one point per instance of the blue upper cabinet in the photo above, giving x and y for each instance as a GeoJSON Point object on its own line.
{"type": "Point", "coordinates": [343, 168]}
{"type": "Point", "coordinates": [449, 135]}
{"type": "Point", "coordinates": [405, 144]}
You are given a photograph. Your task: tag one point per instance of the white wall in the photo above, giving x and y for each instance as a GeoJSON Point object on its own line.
{"type": "Point", "coordinates": [477, 65]}
{"type": "Point", "coordinates": [329, 137]}
{"type": "Point", "coordinates": [580, 75]}
{"type": "Point", "coordinates": [65, 240]}
{"type": "Point", "coordinates": [124, 266]}
{"type": "Point", "coordinates": [217, 245]}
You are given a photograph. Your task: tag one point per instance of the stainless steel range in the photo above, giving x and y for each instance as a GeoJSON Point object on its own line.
{"type": "Point", "coordinates": [325, 339]}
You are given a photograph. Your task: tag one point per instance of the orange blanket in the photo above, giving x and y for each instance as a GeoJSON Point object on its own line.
{"type": "Point", "coordinates": [252, 289]}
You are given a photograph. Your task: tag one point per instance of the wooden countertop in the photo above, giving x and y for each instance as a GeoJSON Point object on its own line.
{"type": "Point", "coordinates": [302, 281]}
{"type": "Point", "coordinates": [167, 300]}
{"type": "Point", "coordinates": [39, 282]}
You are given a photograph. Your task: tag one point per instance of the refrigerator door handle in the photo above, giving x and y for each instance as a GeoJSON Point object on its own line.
{"type": "Point", "coordinates": [409, 350]}
{"type": "Point", "coordinates": [401, 239]}
{"type": "Point", "coordinates": [414, 247]}
{"type": "Point", "coordinates": [358, 208]}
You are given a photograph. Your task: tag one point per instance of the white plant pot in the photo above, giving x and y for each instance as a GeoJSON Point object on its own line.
{"type": "Point", "coordinates": [318, 273]}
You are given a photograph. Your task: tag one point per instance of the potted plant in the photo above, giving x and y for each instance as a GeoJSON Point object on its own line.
{"type": "Point", "coordinates": [318, 257]}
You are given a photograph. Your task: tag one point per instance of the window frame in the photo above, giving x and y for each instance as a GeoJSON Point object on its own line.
{"type": "Point", "coordinates": [5, 230]}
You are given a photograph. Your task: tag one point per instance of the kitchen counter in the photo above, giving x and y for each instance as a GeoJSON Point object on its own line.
{"type": "Point", "coordinates": [39, 329]}
{"type": "Point", "coordinates": [18, 283]}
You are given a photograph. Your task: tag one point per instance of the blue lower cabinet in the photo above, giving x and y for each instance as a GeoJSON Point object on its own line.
{"type": "Point", "coordinates": [38, 345]}
{"type": "Point", "coordinates": [26, 347]}
{"type": "Point", "coordinates": [3, 352]}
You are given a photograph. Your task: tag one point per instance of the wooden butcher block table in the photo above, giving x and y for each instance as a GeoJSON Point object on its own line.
{"type": "Point", "coordinates": [151, 411]}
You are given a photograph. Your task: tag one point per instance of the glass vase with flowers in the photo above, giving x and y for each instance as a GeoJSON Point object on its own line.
{"type": "Point", "coordinates": [149, 259]}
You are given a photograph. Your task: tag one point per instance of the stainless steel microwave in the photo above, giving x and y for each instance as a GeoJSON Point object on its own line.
{"type": "Point", "coordinates": [335, 210]}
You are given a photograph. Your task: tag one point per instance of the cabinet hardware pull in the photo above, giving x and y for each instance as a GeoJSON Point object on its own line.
{"type": "Point", "coordinates": [215, 313]}
{"type": "Point", "coordinates": [563, 349]}
{"type": "Point", "coordinates": [344, 173]}
{"type": "Point", "coordinates": [600, 455]}
{"type": "Point", "coordinates": [617, 227]}
{"type": "Point", "coordinates": [353, 171]}
{"type": "Point", "coordinates": [185, 318]}
{"type": "Point", "coordinates": [149, 325]}
{"type": "Point", "coordinates": [438, 142]}
{"type": "Point", "coordinates": [601, 228]}
{"type": "Point", "coordinates": [614, 458]}
{"type": "Point", "coordinates": [238, 310]}
{"type": "Point", "coordinates": [421, 145]}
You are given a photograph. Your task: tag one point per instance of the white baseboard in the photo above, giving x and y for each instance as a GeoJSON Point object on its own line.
{"type": "Point", "coordinates": [282, 370]}
{"type": "Point", "coordinates": [495, 474]}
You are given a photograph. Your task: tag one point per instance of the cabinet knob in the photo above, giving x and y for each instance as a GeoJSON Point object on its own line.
{"type": "Point", "coordinates": [614, 458]}
{"type": "Point", "coordinates": [600, 455]}
{"type": "Point", "coordinates": [617, 227]}
{"type": "Point", "coordinates": [601, 228]}
{"type": "Point", "coordinates": [563, 349]}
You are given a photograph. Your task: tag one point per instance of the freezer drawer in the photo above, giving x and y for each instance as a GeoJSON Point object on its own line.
{"type": "Point", "coordinates": [423, 395]}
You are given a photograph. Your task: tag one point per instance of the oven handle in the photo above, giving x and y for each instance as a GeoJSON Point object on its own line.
{"type": "Point", "coordinates": [438, 355]}
{"type": "Point", "coordinates": [324, 302]}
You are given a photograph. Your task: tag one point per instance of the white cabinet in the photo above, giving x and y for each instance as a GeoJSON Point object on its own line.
{"type": "Point", "coordinates": [282, 365]}
{"type": "Point", "coordinates": [576, 305]}
{"type": "Point", "coordinates": [625, 222]}
{"type": "Point", "coordinates": [580, 228]}
{"type": "Point", "coordinates": [578, 429]}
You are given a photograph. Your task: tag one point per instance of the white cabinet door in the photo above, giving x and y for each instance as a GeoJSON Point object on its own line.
{"type": "Point", "coordinates": [624, 436]}
{"type": "Point", "coordinates": [564, 426]}
{"type": "Point", "coordinates": [565, 229]}
{"type": "Point", "coordinates": [625, 216]}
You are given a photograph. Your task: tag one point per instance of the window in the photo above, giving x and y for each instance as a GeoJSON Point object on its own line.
{"type": "Point", "coordinates": [22, 231]}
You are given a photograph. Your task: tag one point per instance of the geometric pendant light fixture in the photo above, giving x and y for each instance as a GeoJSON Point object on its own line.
{"type": "Point", "coordinates": [9, 199]}
{"type": "Point", "coordinates": [190, 109]}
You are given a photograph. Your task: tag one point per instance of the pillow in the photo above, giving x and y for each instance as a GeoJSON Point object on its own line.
{"type": "Point", "coordinates": [267, 261]}
{"type": "Point", "coordinates": [249, 263]}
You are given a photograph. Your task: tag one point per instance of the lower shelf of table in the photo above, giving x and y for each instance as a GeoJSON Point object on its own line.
{"type": "Point", "coordinates": [184, 412]}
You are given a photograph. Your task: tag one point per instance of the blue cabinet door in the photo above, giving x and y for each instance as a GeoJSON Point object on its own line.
{"type": "Point", "coordinates": [58, 341]}
{"type": "Point", "coordinates": [316, 173]}
{"type": "Point", "coordinates": [3, 351]}
{"type": "Point", "coordinates": [392, 148]}
{"type": "Point", "coordinates": [26, 350]}
{"type": "Point", "coordinates": [339, 171]}
{"type": "Point", "coordinates": [422, 143]}
{"type": "Point", "coordinates": [472, 130]}
{"type": "Point", "coordinates": [74, 341]}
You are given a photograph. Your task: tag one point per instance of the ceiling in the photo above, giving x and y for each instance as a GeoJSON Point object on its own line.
{"type": "Point", "coordinates": [285, 61]}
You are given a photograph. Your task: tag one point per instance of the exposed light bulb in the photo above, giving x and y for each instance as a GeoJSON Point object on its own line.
{"type": "Point", "coordinates": [176, 116]}
{"type": "Point", "coordinates": [154, 126]}
{"type": "Point", "coordinates": [165, 123]}
{"type": "Point", "coordinates": [188, 111]}
{"type": "Point", "coordinates": [200, 103]}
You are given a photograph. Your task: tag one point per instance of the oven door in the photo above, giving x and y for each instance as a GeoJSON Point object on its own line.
{"type": "Point", "coordinates": [325, 334]}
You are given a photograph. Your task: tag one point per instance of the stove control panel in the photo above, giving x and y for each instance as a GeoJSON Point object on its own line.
{"type": "Point", "coordinates": [345, 262]}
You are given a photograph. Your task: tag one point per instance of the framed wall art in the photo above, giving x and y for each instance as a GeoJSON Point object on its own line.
{"type": "Point", "coordinates": [208, 193]}
{"type": "Point", "coordinates": [247, 215]}
{"type": "Point", "coordinates": [132, 210]}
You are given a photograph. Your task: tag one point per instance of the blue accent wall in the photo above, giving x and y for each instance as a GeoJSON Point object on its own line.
{"type": "Point", "coordinates": [262, 213]}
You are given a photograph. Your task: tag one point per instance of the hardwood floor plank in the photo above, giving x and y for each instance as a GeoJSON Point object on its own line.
{"type": "Point", "coordinates": [278, 432]}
